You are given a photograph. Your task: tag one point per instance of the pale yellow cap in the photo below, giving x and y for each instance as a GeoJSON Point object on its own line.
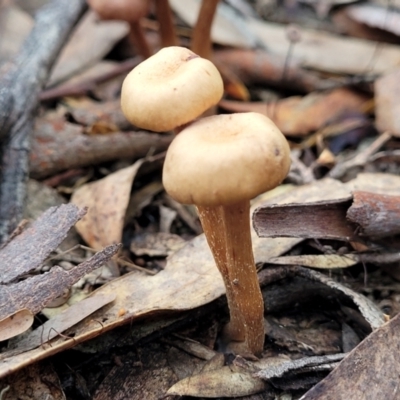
{"type": "Point", "coordinates": [225, 159]}
{"type": "Point", "coordinates": [170, 89]}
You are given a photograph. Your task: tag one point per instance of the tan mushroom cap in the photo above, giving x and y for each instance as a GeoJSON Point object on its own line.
{"type": "Point", "coordinates": [124, 10]}
{"type": "Point", "coordinates": [170, 89]}
{"type": "Point", "coordinates": [225, 159]}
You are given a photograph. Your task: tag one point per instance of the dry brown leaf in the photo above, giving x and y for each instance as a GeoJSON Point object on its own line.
{"type": "Point", "coordinates": [107, 200]}
{"type": "Point", "coordinates": [39, 382]}
{"type": "Point", "coordinates": [15, 25]}
{"type": "Point", "coordinates": [328, 52]}
{"type": "Point", "coordinates": [372, 314]}
{"type": "Point", "coordinates": [228, 381]}
{"type": "Point", "coordinates": [156, 244]}
{"type": "Point", "coordinates": [63, 321]}
{"type": "Point", "coordinates": [370, 371]}
{"type": "Point", "coordinates": [90, 42]}
{"type": "Point", "coordinates": [15, 324]}
{"type": "Point", "coordinates": [375, 183]}
{"type": "Point", "coordinates": [320, 261]}
{"type": "Point", "coordinates": [387, 109]}
{"type": "Point", "coordinates": [383, 18]}
{"type": "Point", "coordinates": [298, 116]}
{"type": "Point", "coordinates": [190, 279]}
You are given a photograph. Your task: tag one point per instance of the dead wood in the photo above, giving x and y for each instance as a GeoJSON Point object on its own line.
{"type": "Point", "coordinates": [59, 146]}
{"type": "Point", "coordinates": [21, 83]}
{"type": "Point", "coordinates": [366, 214]}
{"type": "Point", "coordinates": [324, 220]}
{"type": "Point", "coordinates": [377, 215]}
{"type": "Point", "coordinates": [29, 249]}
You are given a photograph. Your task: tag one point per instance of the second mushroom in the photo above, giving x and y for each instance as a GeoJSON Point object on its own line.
{"type": "Point", "coordinates": [219, 163]}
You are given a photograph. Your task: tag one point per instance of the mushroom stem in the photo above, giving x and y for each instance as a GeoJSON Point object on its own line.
{"type": "Point", "coordinates": [201, 39]}
{"type": "Point", "coordinates": [227, 229]}
{"type": "Point", "coordinates": [138, 39]}
{"type": "Point", "coordinates": [167, 28]}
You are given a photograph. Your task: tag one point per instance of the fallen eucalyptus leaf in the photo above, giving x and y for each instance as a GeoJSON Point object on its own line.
{"type": "Point", "coordinates": [228, 381]}
{"type": "Point", "coordinates": [278, 370]}
{"type": "Point", "coordinates": [15, 324]}
{"type": "Point", "coordinates": [61, 322]}
{"type": "Point", "coordinates": [321, 261]}
{"type": "Point", "coordinates": [107, 199]}
{"type": "Point", "coordinates": [372, 314]}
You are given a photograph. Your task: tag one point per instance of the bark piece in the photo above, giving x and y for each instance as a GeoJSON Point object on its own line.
{"type": "Point", "coordinates": [377, 215]}
{"type": "Point", "coordinates": [323, 219]}
{"type": "Point", "coordinates": [34, 293]}
{"type": "Point", "coordinates": [29, 249]}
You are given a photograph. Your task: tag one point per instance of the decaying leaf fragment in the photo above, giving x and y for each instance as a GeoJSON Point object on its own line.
{"type": "Point", "coordinates": [107, 200]}
{"type": "Point", "coordinates": [228, 381]}
{"type": "Point", "coordinates": [298, 116]}
{"type": "Point", "coordinates": [29, 249]}
{"type": "Point", "coordinates": [15, 324]}
{"type": "Point", "coordinates": [370, 371]}
{"type": "Point", "coordinates": [19, 301]}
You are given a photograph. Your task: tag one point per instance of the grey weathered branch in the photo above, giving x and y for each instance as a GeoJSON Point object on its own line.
{"type": "Point", "coordinates": [21, 82]}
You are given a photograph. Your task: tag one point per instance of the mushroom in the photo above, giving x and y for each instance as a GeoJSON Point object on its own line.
{"type": "Point", "coordinates": [201, 38]}
{"type": "Point", "coordinates": [166, 24]}
{"type": "Point", "coordinates": [219, 163]}
{"type": "Point", "coordinates": [126, 10]}
{"type": "Point", "coordinates": [170, 89]}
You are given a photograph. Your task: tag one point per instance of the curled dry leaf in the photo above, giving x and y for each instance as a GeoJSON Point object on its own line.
{"type": "Point", "coordinates": [328, 52]}
{"type": "Point", "coordinates": [383, 18]}
{"type": "Point", "coordinates": [372, 314]}
{"type": "Point", "coordinates": [90, 42]}
{"type": "Point", "coordinates": [61, 322]}
{"type": "Point", "coordinates": [370, 371]}
{"type": "Point", "coordinates": [320, 261]}
{"type": "Point", "coordinates": [15, 324]}
{"type": "Point", "coordinates": [298, 116]}
{"type": "Point", "coordinates": [107, 199]}
{"type": "Point", "coordinates": [279, 369]}
{"type": "Point", "coordinates": [387, 89]}
{"type": "Point", "coordinates": [228, 381]}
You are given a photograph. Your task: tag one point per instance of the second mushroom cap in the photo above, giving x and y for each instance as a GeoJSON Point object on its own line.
{"type": "Point", "coordinates": [170, 89]}
{"type": "Point", "coordinates": [225, 159]}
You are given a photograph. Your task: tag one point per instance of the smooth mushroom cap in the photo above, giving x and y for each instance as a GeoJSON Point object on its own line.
{"type": "Point", "coordinates": [124, 10]}
{"type": "Point", "coordinates": [170, 89]}
{"type": "Point", "coordinates": [225, 159]}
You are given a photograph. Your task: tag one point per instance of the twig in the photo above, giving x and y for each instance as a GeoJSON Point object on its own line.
{"type": "Point", "coordinates": [20, 87]}
{"type": "Point", "coordinates": [361, 158]}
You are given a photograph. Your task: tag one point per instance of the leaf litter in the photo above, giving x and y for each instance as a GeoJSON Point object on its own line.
{"type": "Point", "coordinates": [188, 279]}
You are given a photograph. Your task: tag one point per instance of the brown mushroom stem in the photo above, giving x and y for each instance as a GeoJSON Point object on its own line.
{"type": "Point", "coordinates": [167, 28]}
{"type": "Point", "coordinates": [138, 39]}
{"type": "Point", "coordinates": [227, 229]}
{"type": "Point", "coordinates": [201, 39]}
